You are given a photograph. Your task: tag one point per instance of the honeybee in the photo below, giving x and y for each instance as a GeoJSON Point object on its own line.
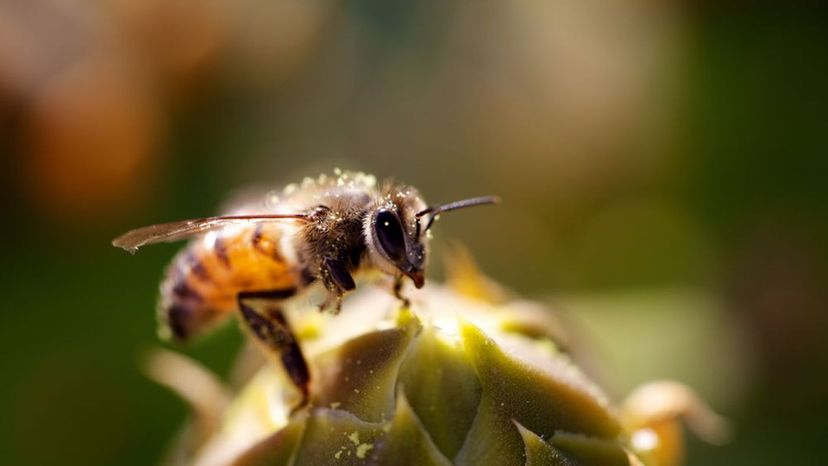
{"type": "Point", "coordinates": [322, 231]}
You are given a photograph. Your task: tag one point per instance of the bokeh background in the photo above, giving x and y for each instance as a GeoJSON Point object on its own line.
{"type": "Point", "coordinates": [662, 165]}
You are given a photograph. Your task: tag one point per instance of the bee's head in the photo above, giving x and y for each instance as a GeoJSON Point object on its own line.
{"type": "Point", "coordinates": [396, 242]}
{"type": "Point", "coordinates": [396, 231]}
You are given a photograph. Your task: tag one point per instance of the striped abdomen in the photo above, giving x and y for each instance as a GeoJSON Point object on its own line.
{"type": "Point", "coordinates": [204, 280]}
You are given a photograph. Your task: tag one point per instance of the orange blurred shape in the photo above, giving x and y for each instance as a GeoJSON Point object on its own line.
{"type": "Point", "coordinates": [88, 138]}
{"type": "Point", "coordinates": [273, 39]}
{"type": "Point", "coordinates": [180, 39]}
{"type": "Point", "coordinates": [654, 413]}
{"type": "Point", "coordinates": [16, 61]}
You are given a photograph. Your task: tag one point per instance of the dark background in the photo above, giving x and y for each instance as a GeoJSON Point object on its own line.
{"type": "Point", "coordinates": [662, 166]}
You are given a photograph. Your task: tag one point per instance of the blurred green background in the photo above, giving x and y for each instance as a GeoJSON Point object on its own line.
{"type": "Point", "coordinates": [662, 165]}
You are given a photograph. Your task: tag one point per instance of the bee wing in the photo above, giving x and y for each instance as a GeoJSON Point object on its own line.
{"type": "Point", "coordinates": [175, 231]}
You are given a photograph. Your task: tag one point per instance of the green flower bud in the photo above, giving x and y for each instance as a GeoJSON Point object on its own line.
{"type": "Point", "coordinates": [456, 379]}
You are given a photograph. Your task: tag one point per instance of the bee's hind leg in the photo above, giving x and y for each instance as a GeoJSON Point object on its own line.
{"type": "Point", "coordinates": [272, 331]}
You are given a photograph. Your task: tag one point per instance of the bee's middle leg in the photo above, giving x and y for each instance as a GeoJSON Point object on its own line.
{"type": "Point", "coordinates": [273, 332]}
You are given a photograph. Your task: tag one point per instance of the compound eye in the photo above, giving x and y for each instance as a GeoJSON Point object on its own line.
{"type": "Point", "coordinates": [390, 235]}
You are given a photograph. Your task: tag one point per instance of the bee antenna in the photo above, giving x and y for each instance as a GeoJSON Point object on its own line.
{"type": "Point", "coordinates": [434, 211]}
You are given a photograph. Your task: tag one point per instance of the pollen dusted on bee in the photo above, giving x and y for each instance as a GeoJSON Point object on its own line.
{"type": "Point", "coordinates": [320, 233]}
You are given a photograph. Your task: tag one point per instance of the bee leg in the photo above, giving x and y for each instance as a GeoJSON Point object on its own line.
{"type": "Point", "coordinates": [398, 284]}
{"type": "Point", "coordinates": [272, 331]}
{"type": "Point", "coordinates": [294, 361]}
{"type": "Point", "coordinates": [337, 280]}
{"type": "Point", "coordinates": [332, 302]}
{"type": "Point", "coordinates": [338, 275]}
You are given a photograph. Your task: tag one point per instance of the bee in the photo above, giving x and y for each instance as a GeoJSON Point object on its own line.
{"type": "Point", "coordinates": [323, 231]}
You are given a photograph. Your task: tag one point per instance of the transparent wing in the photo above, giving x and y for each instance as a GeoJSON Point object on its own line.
{"type": "Point", "coordinates": [175, 231]}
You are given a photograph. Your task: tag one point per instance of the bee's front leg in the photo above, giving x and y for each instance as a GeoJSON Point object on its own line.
{"type": "Point", "coordinates": [332, 302]}
{"type": "Point", "coordinates": [273, 334]}
{"type": "Point", "coordinates": [338, 280]}
{"type": "Point", "coordinates": [398, 284]}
